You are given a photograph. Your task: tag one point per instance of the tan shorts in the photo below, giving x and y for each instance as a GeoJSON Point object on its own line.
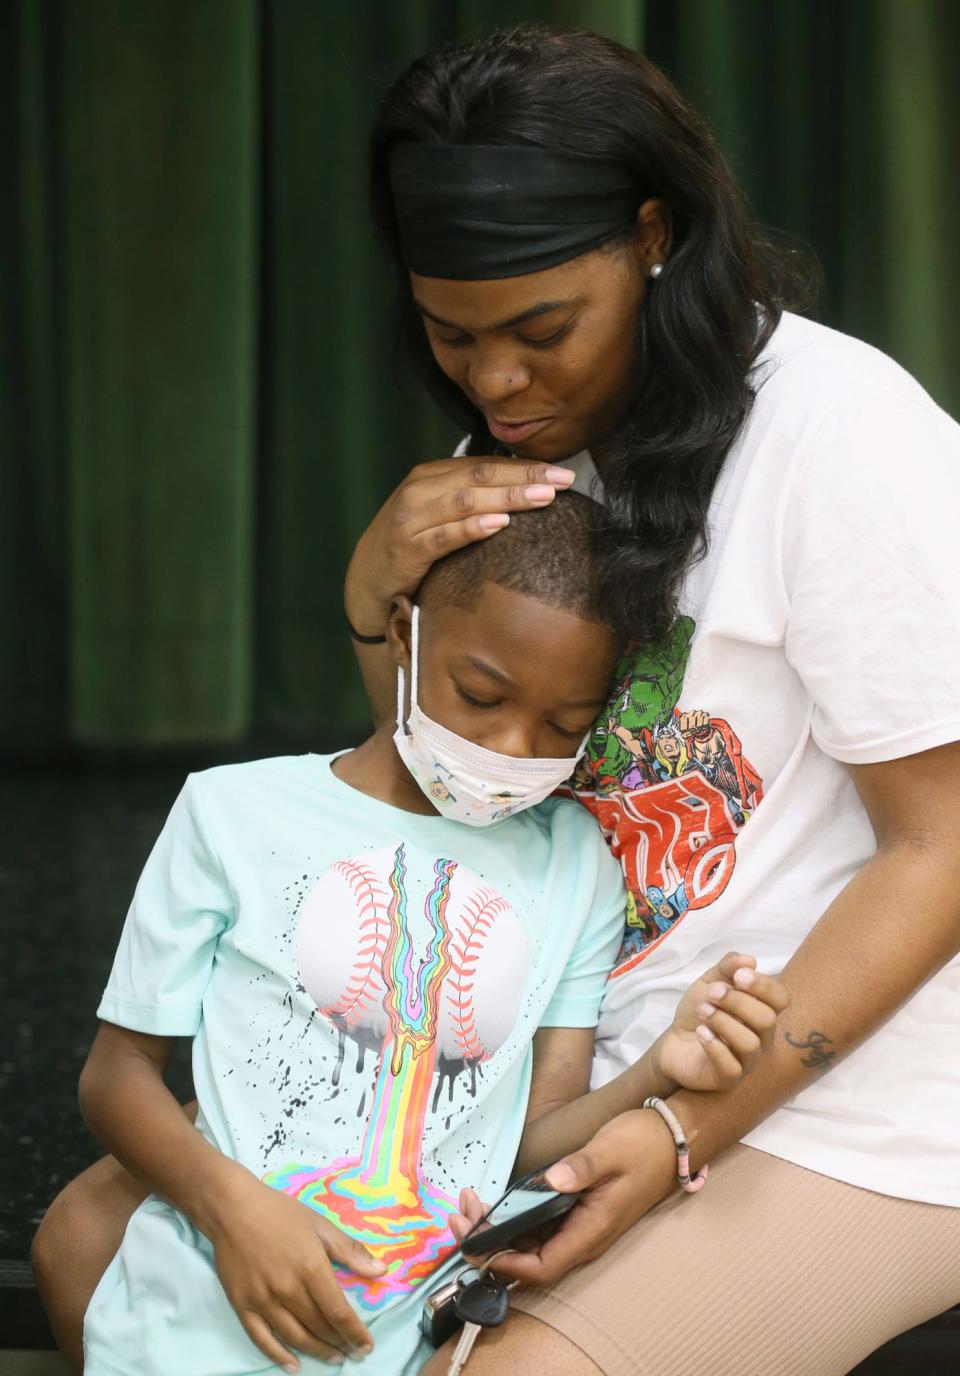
{"type": "Point", "coordinates": [771, 1270]}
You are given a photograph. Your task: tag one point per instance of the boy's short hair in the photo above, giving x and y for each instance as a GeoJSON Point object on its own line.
{"type": "Point", "coordinates": [552, 554]}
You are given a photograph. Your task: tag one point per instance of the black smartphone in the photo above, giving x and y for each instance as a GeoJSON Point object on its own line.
{"type": "Point", "coordinates": [499, 1236]}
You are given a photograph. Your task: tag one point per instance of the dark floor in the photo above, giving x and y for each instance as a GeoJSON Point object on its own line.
{"type": "Point", "coordinates": [72, 843]}
{"type": "Point", "coordinates": [32, 1364]}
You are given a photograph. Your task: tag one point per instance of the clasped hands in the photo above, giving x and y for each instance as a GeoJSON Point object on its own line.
{"type": "Point", "coordinates": [723, 1024]}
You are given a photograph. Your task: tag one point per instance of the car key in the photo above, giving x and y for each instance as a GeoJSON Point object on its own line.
{"type": "Point", "coordinates": [484, 1303]}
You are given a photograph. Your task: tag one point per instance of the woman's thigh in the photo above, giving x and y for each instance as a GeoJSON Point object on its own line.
{"type": "Point", "coordinates": [75, 1243]}
{"type": "Point", "coordinates": [78, 1238]}
{"type": "Point", "coordinates": [772, 1270]}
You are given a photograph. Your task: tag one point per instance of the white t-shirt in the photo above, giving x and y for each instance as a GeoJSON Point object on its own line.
{"type": "Point", "coordinates": [823, 628]}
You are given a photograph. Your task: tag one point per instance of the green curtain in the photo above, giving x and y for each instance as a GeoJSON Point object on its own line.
{"type": "Point", "coordinates": [198, 404]}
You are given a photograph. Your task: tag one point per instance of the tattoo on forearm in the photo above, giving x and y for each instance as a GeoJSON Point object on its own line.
{"type": "Point", "coordinates": [816, 1042]}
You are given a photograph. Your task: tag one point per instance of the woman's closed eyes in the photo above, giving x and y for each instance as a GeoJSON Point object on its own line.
{"type": "Point", "coordinates": [460, 341]}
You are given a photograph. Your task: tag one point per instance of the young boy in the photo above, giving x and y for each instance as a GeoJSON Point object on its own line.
{"type": "Point", "coordinates": [391, 964]}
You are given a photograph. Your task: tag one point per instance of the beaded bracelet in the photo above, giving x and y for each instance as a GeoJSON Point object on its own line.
{"type": "Point", "coordinates": [684, 1179]}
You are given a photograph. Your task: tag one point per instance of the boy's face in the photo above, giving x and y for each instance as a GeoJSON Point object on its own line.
{"type": "Point", "coordinates": [512, 674]}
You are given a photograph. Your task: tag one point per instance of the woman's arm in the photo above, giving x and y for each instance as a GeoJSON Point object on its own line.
{"type": "Point", "coordinates": [272, 1253]}
{"type": "Point", "coordinates": [850, 975]}
{"type": "Point", "coordinates": [855, 969]}
{"type": "Point", "coordinates": [438, 508]}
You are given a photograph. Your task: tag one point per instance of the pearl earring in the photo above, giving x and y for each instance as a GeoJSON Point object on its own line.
{"type": "Point", "coordinates": [656, 270]}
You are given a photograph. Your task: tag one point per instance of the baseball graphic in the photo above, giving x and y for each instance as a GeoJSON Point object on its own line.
{"type": "Point", "coordinates": [342, 943]}
{"type": "Point", "coordinates": [424, 958]}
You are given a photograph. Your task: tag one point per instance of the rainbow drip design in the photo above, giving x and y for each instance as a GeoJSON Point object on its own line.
{"type": "Point", "coordinates": [380, 1198]}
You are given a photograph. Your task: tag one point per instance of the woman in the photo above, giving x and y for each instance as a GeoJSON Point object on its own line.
{"type": "Point", "coordinates": [778, 769]}
{"type": "Point", "coordinates": [648, 327]}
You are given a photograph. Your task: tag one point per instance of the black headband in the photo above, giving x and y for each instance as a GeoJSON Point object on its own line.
{"type": "Point", "coordinates": [472, 212]}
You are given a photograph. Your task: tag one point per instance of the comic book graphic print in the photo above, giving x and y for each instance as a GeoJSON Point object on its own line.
{"type": "Point", "coordinates": [429, 963]}
{"type": "Point", "coordinates": [671, 790]}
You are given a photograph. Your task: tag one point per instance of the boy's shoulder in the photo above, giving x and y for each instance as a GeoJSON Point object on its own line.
{"type": "Point", "coordinates": [243, 802]}
{"type": "Point", "coordinates": [561, 809]}
{"type": "Point", "coordinates": [271, 771]}
{"type": "Point", "coordinates": [568, 824]}
{"type": "Point", "coordinates": [276, 782]}
{"type": "Point", "coordinates": [578, 854]}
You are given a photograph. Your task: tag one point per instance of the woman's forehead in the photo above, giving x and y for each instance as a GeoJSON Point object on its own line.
{"type": "Point", "coordinates": [496, 303]}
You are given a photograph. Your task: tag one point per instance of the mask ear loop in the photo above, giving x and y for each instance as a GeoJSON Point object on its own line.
{"type": "Point", "coordinates": [402, 713]}
{"type": "Point", "coordinates": [401, 685]}
{"type": "Point", "coordinates": [414, 658]}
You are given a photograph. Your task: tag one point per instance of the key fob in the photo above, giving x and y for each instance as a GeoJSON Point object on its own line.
{"type": "Point", "coordinates": [484, 1301]}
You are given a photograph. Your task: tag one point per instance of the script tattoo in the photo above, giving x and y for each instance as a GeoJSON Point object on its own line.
{"type": "Point", "coordinates": [819, 1059]}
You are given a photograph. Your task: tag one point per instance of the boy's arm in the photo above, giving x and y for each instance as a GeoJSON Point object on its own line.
{"type": "Point", "coordinates": [272, 1254]}
{"type": "Point", "coordinates": [716, 1036]}
{"type": "Point", "coordinates": [129, 1109]}
{"type": "Point", "coordinates": [561, 1115]}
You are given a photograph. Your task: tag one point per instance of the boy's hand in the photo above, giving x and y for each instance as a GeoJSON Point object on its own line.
{"type": "Point", "coordinates": [273, 1256]}
{"type": "Point", "coordinates": [724, 1021]}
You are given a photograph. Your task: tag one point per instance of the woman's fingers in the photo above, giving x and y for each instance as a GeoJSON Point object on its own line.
{"type": "Point", "coordinates": [473, 1212]}
{"type": "Point", "coordinates": [623, 1171]}
{"type": "Point", "coordinates": [459, 1226]}
{"type": "Point", "coordinates": [432, 544]}
{"type": "Point", "coordinates": [425, 533]}
{"type": "Point", "coordinates": [472, 1205]}
{"type": "Point", "coordinates": [421, 515]}
{"type": "Point", "coordinates": [586, 1231]}
{"type": "Point", "coordinates": [435, 494]}
{"type": "Point", "coordinates": [438, 508]}
{"type": "Point", "coordinates": [495, 471]}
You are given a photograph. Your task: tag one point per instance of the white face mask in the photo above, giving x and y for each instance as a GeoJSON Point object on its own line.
{"type": "Point", "coordinates": [466, 782]}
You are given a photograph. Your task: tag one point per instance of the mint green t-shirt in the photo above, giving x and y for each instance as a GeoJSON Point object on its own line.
{"type": "Point", "coordinates": [362, 986]}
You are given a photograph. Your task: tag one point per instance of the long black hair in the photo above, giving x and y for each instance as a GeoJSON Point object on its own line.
{"type": "Point", "coordinates": [701, 325]}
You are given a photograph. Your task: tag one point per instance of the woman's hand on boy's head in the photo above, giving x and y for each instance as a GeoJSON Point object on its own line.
{"type": "Point", "coordinates": [439, 507]}
{"type": "Point", "coordinates": [724, 1022]}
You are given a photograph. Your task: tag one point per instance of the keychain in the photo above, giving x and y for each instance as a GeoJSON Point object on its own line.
{"type": "Point", "coordinates": [483, 1303]}
{"type": "Point", "coordinates": [439, 1319]}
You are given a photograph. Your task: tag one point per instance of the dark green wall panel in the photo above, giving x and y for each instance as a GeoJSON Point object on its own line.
{"type": "Point", "coordinates": [199, 409]}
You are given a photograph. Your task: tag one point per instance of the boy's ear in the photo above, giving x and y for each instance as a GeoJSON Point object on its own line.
{"type": "Point", "coordinates": [399, 630]}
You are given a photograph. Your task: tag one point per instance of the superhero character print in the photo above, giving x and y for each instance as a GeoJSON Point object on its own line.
{"type": "Point", "coordinates": [671, 790]}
